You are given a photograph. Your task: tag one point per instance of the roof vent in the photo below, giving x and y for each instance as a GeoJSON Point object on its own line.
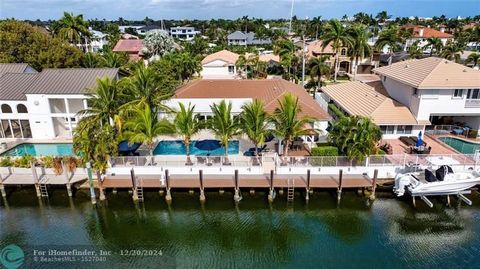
{"type": "Point", "coordinates": [465, 70]}
{"type": "Point", "coordinates": [406, 66]}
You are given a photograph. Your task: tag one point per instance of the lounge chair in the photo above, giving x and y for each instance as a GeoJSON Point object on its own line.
{"type": "Point", "coordinates": [200, 160]}
{"type": "Point", "coordinates": [407, 140]}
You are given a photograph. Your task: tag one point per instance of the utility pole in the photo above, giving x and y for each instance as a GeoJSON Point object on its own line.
{"type": "Point", "coordinates": [303, 61]}
{"type": "Point", "coordinates": [291, 15]}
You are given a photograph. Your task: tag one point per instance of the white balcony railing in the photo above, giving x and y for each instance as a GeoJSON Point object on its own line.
{"type": "Point", "coordinates": [472, 103]}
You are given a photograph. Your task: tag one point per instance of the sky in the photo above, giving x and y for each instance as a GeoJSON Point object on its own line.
{"type": "Point", "coordinates": [229, 9]}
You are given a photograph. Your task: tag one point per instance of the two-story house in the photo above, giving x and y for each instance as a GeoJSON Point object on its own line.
{"type": "Point", "coordinates": [421, 34]}
{"type": "Point", "coordinates": [183, 32]}
{"type": "Point", "coordinates": [45, 104]}
{"type": "Point", "coordinates": [220, 65]}
{"type": "Point", "coordinates": [411, 95]}
{"type": "Point", "coordinates": [240, 38]}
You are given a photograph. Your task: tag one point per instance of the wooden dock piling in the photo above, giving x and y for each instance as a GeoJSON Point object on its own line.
{"type": "Point", "coordinates": [90, 182]}
{"type": "Point", "coordinates": [236, 196]}
{"type": "Point", "coordinates": [168, 195]}
{"type": "Point", "coordinates": [307, 195]}
{"type": "Point", "coordinates": [67, 178]}
{"type": "Point", "coordinates": [340, 185]}
{"type": "Point", "coordinates": [374, 184]}
{"type": "Point", "coordinates": [271, 195]}
{"type": "Point", "coordinates": [35, 178]}
{"type": "Point", "coordinates": [2, 188]}
{"type": "Point", "coordinates": [134, 184]}
{"type": "Point", "coordinates": [202, 193]}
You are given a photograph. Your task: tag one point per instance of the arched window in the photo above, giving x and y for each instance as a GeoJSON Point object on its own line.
{"type": "Point", "coordinates": [6, 108]}
{"type": "Point", "coordinates": [21, 108]}
{"type": "Point", "coordinates": [343, 52]}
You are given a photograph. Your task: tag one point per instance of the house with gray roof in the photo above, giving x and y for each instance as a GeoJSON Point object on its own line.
{"type": "Point", "coordinates": [44, 105]}
{"type": "Point", "coordinates": [16, 68]}
{"type": "Point", "coordinates": [244, 39]}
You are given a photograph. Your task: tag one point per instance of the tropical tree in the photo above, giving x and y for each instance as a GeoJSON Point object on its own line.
{"type": "Point", "coordinates": [144, 127]}
{"type": "Point", "coordinates": [287, 121]}
{"type": "Point", "coordinates": [90, 60]}
{"type": "Point", "coordinates": [223, 124]}
{"type": "Point", "coordinates": [382, 16]}
{"type": "Point", "coordinates": [147, 88]}
{"type": "Point", "coordinates": [318, 68]}
{"type": "Point", "coordinates": [473, 58]}
{"type": "Point", "coordinates": [359, 44]}
{"type": "Point", "coordinates": [104, 102]}
{"type": "Point", "coordinates": [187, 124]}
{"type": "Point", "coordinates": [72, 28]}
{"type": "Point", "coordinates": [113, 59]}
{"type": "Point", "coordinates": [415, 51]}
{"type": "Point", "coordinates": [434, 44]}
{"type": "Point", "coordinates": [390, 38]}
{"type": "Point", "coordinates": [336, 36]}
{"type": "Point", "coordinates": [254, 122]}
{"type": "Point", "coordinates": [286, 50]}
{"type": "Point", "coordinates": [157, 43]}
{"type": "Point", "coordinates": [186, 65]}
{"type": "Point", "coordinates": [315, 25]}
{"type": "Point", "coordinates": [355, 136]}
{"type": "Point", "coordinates": [452, 51]}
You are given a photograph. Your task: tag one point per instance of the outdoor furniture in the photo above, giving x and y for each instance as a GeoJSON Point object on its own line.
{"type": "Point", "coordinates": [422, 150]}
{"type": "Point", "coordinates": [201, 160]}
{"type": "Point", "coordinates": [297, 145]}
{"type": "Point", "coordinates": [407, 140]}
{"type": "Point", "coordinates": [457, 131]}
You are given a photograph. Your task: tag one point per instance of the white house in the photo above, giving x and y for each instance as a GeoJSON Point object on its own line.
{"type": "Point", "coordinates": [220, 65]}
{"type": "Point", "coordinates": [44, 105]}
{"type": "Point", "coordinates": [97, 41]}
{"type": "Point", "coordinates": [413, 94]}
{"type": "Point", "coordinates": [123, 28]}
{"type": "Point", "coordinates": [184, 32]}
{"type": "Point", "coordinates": [203, 93]}
{"type": "Point", "coordinates": [435, 90]}
{"type": "Point", "coordinates": [243, 39]}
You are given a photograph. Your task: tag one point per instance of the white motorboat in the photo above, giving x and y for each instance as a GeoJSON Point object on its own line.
{"type": "Point", "coordinates": [443, 182]}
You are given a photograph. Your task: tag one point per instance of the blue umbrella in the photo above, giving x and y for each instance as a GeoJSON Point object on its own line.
{"type": "Point", "coordinates": [208, 144]}
{"type": "Point", "coordinates": [419, 140]}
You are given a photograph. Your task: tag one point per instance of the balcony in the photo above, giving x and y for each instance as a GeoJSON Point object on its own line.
{"type": "Point", "coordinates": [472, 103]}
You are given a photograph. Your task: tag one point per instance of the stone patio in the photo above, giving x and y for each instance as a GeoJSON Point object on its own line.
{"type": "Point", "coordinates": [437, 147]}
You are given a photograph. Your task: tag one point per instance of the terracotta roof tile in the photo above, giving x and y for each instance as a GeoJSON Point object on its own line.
{"type": "Point", "coordinates": [129, 45]}
{"type": "Point", "coordinates": [269, 90]}
{"type": "Point", "coordinates": [427, 32]}
{"type": "Point", "coordinates": [224, 55]}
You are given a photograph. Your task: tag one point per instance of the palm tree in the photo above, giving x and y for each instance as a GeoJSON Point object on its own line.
{"type": "Point", "coordinates": [144, 87]}
{"type": "Point", "coordinates": [254, 122]}
{"type": "Point", "coordinates": [287, 121]}
{"type": "Point", "coordinates": [359, 46]}
{"type": "Point", "coordinates": [241, 64]}
{"type": "Point", "coordinates": [73, 28]}
{"type": "Point", "coordinates": [388, 37]}
{"type": "Point", "coordinates": [336, 36]}
{"type": "Point", "coordinates": [104, 102]}
{"type": "Point", "coordinates": [113, 59]}
{"type": "Point", "coordinates": [286, 50]}
{"type": "Point", "coordinates": [145, 126]}
{"type": "Point", "coordinates": [434, 43]}
{"type": "Point", "coordinates": [315, 25]}
{"type": "Point", "coordinates": [473, 58]}
{"type": "Point", "coordinates": [187, 65]}
{"type": "Point", "coordinates": [452, 51]}
{"type": "Point", "coordinates": [187, 124]}
{"type": "Point", "coordinates": [223, 124]}
{"type": "Point", "coordinates": [382, 16]}
{"type": "Point", "coordinates": [355, 136]}
{"type": "Point", "coordinates": [90, 60]}
{"type": "Point", "coordinates": [414, 51]}
{"type": "Point", "coordinates": [318, 67]}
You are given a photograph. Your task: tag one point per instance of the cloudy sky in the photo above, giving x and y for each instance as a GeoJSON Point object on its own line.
{"type": "Point", "coordinates": [205, 9]}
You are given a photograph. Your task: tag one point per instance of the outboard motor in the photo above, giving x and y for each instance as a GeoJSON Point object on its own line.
{"type": "Point", "coordinates": [443, 171]}
{"type": "Point", "coordinates": [401, 182]}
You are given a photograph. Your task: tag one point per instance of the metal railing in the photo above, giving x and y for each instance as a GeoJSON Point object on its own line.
{"type": "Point", "coordinates": [179, 161]}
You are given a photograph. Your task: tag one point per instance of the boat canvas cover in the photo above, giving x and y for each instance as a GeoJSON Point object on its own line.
{"type": "Point", "coordinates": [442, 171]}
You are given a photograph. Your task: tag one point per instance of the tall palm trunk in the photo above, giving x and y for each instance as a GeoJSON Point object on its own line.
{"type": "Point", "coordinates": [226, 153]}
{"type": "Point", "coordinates": [187, 149]}
{"type": "Point", "coordinates": [336, 67]}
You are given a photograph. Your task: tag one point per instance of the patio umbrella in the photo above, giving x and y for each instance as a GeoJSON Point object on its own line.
{"type": "Point", "coordinates": [208, 145]}
{"type": "Point", "coordinates": [419, 140]}
{"type": "Point", "coordinates": [125, 148]}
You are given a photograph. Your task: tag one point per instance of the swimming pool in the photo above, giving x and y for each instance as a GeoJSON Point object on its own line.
{"type": "Point", "coordinates": [37, 149]}
{"type": "Point", "coordinates": [176, 147]}
{"type": "Point", "coordinates": [460, 145]}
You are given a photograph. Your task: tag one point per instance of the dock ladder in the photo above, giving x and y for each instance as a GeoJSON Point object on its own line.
{"type": "Point", "coordinates": [139, 189]}
{"type": "Point", "coordinates": [291, 189]}
{"type": "Point", "coordinates": [43, 188]}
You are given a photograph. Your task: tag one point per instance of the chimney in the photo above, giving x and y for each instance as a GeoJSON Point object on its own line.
{"type": "Point", "coordinates": [420, 31]}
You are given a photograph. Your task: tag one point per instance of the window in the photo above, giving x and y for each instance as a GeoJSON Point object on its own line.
{"type": "Point", "coordinates": [384, 78]}
{"type": "Point", "coordinates": [6, 108]}
{"type": "Point", "coordinates": [6, 129]}
{"type": "Point", "coordinates": [387, 129]}
{"type": "Point", "coordinates": [343, 52]}
{"type": "Point", "coordinates": [471, 94]}
{"type": "Point", "coordinates": [27, 132]}
{"type": "Point", "coordinates": [415, 91]}
{"type": "Point", "coordinates": [231, 69]}
{"type": "Point", "coordinates": [22, 108]}
{"type": "Point", "coordinates": [458, 93]}
{"type": "Point", "coordinates": [404, 129]}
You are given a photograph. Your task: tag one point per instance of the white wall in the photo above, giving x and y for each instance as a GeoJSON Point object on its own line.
{"type": "Point", "coordinates": [398, 91]}
{"type": "Point", "coordinates": [217, 69]}
{"type": "Point", "coordinates": [415, 130]}
{"type": "Point", "coordinates": [442, 103]}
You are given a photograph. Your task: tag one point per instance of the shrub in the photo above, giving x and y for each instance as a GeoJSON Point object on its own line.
{"type": "Point", "coordinates": [24, 161]}
{"type": "Point", "coordinates": [47, 161]}
{"type": "Point", "coordinates": [381, 152]}
{"type": "Point", "coordinates": [473, 134]}
{"type": "Point", "coordinates": [338, 113]}
{"type": "Point", "coordinates": [328, 156]}
{"type": "Point", "coordinates": [6, 162]}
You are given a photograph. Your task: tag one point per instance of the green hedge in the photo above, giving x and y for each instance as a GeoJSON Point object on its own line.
{"type": "Point", "coordinates": [473, 134]}
{"type": "Point", "coordinates": [338, 113]}
{"type": "Point", "coordinates": [328, 156]}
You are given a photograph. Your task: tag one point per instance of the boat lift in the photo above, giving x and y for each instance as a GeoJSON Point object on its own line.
{"type": "Point", "coordinates": [460, 196]}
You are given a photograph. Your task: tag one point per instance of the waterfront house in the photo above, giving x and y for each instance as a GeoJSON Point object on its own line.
{"type": "Point", "coordinates": [183, 32]}
{"type": "Point", "coordinates": [205, 92]}
{"type": "Point", "coordinates": [44, 105]}
{"type": "Point", "coordinates": [220, 65]}
{"type": "Point", "coordinates": [97, 40]}
{"type": "Point", "coordinates": [134, 28]}
{"type": "Point", "coordinates": [243, 39]}
{"type": "Point", "coordinates": [143, 30]}
{"type": "Point", "coordinates": [133, 47]}
{"type": "Point", "coordinates": [434, 90]}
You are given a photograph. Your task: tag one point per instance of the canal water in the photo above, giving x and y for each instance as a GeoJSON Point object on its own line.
{"type": "Point", "coordinates": [387, 233]}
